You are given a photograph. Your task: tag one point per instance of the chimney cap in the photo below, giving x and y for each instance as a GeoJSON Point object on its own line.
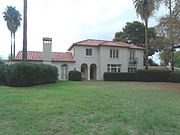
{"type": "Point", "coordinates": [47, 39]}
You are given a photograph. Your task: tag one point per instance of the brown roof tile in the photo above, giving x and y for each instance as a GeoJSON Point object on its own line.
{"type": "Point", "coordinates": [94, 42]}
{"type": "Point", "coordinates": [38, 56]}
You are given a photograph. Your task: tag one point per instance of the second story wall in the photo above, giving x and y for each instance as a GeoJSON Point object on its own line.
{"type": "Point", "coordinates": [108, 55]}
{"type": "Point", "coordinates": [86, 54]}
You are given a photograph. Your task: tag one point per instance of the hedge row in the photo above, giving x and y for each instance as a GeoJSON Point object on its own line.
{"type": "Point", "coordinates": [152, 75]}
{"type": "Point", "coordinates": [27, 74]}
{"type": "Point", "coordinates": [174, 77]}
{"type": "Point", "coordinates": [119, 76]}
{"type": "Point", "coordinates": [144, 76]}
{"type": "Point", "coordinates": [75, 76]}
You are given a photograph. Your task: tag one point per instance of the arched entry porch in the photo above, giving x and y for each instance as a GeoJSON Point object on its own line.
{"type": "Point", "coordinates": [84, 71]}
{"type": "Point", "coordinates": [93, 72]}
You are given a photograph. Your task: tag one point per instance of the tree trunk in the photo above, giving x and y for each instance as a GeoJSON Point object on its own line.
{"type": "Point", "coordinates": [24, 58]}
{"type": "Point", "coordinates": [146, 43]}
{"type": "Point", "coordinates": [171, 36]}
{"type": "Point", "coordinates": [11, 47]}
{"type": "Point", "coordinates": [14, 46]}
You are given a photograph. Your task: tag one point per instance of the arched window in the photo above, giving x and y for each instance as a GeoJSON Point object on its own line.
{"type": "Point", "coordinates": [64, 71]}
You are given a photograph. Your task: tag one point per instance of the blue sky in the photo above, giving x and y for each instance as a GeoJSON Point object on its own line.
{"type": "Point", "coordinates": [67, 21]}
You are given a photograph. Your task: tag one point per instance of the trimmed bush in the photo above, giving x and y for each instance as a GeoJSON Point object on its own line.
{"type": "Point", "coordinates": [3, 68]}
{"type": "Point", "coordinates": [175, 77]}
{"type": "Point", "coordinates": [28, 74]}
{"type": "Point", "coordinates": [152, 75]}
{"type": "Point", "coordinates": [75, 76]}
{"type": "Point", "coordinates": [119, 76]}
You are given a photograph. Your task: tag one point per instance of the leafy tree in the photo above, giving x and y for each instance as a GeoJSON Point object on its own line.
{"type": "Point", "coordinates": [145, 8]}
{"type": "Point", "coordinates": [13, 19]}
{"type": "Point", "coordinates": [177, 59]}
{"type": "Point", "coordinates": [24, 55]}
{"type": "Point", "coordinates": [169, 28]}
{"type": "Point", "coordinates": [133, 33]}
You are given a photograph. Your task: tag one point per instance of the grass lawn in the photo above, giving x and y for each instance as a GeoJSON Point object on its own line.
{"type": "Point", "coordinates": [90, 108]}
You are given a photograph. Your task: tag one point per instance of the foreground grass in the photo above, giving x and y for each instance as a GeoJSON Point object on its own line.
{"type": "Point", "coordinates": [89, 108]}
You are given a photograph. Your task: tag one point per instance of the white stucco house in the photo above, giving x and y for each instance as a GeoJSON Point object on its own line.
{"type": "Point", "coordinates": [91, 57]}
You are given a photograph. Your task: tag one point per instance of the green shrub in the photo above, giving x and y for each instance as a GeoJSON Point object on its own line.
{"type": "Point", "coordinates": [119, 76]}
{"type": "Point", "coordinates": [28, 74]}
{"type": "Point", "coordinates": [2, 73]}
{"type": "Point", "coordinates": [152, 75]}
{"type": "Point", "coordinates": [175, 77]}
{"type": "Point", "coordinates": [75, 76]}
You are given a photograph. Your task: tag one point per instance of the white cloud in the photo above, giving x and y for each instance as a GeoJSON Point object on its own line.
{"type": "Point", "coordinates": [67, 21]}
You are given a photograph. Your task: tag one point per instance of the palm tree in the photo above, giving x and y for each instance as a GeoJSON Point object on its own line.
{"type": "Point", "coordinates": [13, 19]}
{"type": "Point", "coordinates": [145, 8]}
{"type": "Point", "coordinates": [24, 56]}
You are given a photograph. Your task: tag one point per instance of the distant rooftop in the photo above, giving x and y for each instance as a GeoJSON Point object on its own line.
{"type": "Point", "coordinates": [38, 56]}
{"type": "Point", "coordinates": [95, 42]}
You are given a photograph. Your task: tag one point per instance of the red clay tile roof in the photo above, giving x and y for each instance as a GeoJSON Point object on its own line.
{"type": "Point", "coordinates": [38, 56]}
{"type": "Point", "coordinates": [94, 42]}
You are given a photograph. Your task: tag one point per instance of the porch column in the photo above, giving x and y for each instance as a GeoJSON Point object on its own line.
{"type": "Point", "coordinates": [88, 71]}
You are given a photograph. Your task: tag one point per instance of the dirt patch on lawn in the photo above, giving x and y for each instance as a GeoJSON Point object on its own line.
{"type": "Point", "coordinates": [164, 85]}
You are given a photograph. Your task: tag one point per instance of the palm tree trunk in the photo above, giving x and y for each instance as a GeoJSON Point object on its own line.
{"type": "Point", "coordinates": [14, 47]}
{"type": "Point", "coordinates": [171, 37]}
{"type": "Point", "coordinates": [146, 43]}
{"type": "Point", "coordinates": [11, 47]}
{"type": "Point", "coordinates": [24, 58]}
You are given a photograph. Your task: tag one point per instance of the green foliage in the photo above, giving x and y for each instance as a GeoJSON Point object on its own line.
{"type": "Point", "coordinates": [152, 75]}
{"type": "Point", "coordinates": [177, 59]}
{"type": "Point", "coordinates": [175, 77]}
{"type": "Point", "coordinates": [169, 28]}
{"type": "Point", "coordinates": [3, 68]}
{"type": "Point", "coordinates": [28, 74]}
{"type": "Point", "coordinates": [75, 76]}
{"type": "Point", "coordinates": [13, 19]}
{"type": "Point", "coordinates": [119, 76]}
{"type": "Point", "coordinates": [1, 62]}
{"type": "Point", "coordinates": [134, 33]}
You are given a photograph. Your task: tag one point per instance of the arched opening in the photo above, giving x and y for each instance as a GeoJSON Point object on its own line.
{"type": "Point", "coordinates": [64, 71]}
{"type": "Point", "coordinates": [93, 72]}
{"type": "Point", "coordinates": [84, 71]}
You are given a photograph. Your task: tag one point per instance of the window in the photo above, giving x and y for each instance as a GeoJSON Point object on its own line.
{"type": "Point", "coordinates": [114, 68]}
{"type": "Point", "coordinates": [64, 72]}
{"type": "Point", "coordinates": [132, 69]}
{"type": "Point", "coordinates": [132, 54]}
{"type": "Point", "coordinates": [114, 53]}
{"type": "Point", "coordinates": [88, 52]}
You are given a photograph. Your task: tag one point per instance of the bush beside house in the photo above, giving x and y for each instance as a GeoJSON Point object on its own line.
{"type": "Point", "coordinates": [2, 73]}
{"type": "Point", "coordinates": [174, 77]}
{"type": "Point", "coordinates": [142, 75]}
{"type": "Point", "coordinates": [119, 76]}
{"type": "Point", "coordinates": [152, 75]}
{"type": "Point", "coordinates": [75, 76]}
{"type": "Point", "coordinates": [28, 74]}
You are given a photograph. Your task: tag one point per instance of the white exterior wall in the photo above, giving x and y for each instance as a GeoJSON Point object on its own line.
{"type": "Point", "coordinates": [81, 58]}
{"type": "Point", "coordinates": [71, 66]}
{"type": "Point", "coordinates": [140, 56]}
{"type": "Point", "coordinates": [105, 59]}
{"type": "Point", "coordinates": [101, 58]}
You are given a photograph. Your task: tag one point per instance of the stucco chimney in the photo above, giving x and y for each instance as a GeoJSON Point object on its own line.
{"type": "Point", "coordinates": [47, 47]}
